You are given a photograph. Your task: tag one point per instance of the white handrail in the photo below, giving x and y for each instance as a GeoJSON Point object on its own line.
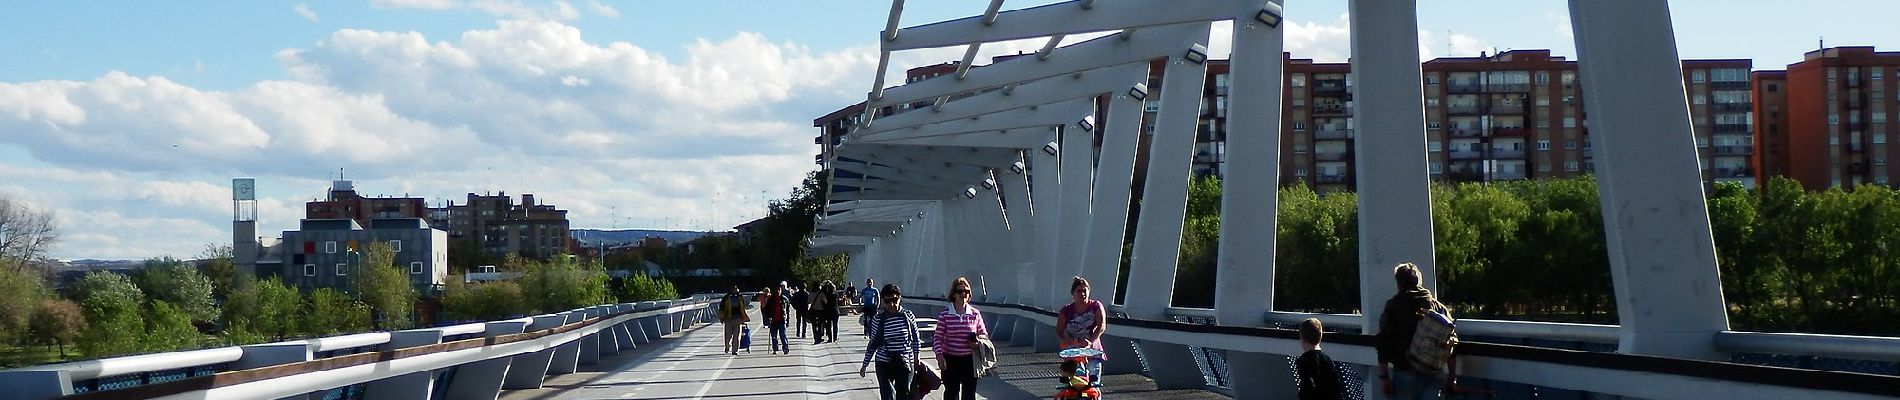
{"type": "Point", "coordinates": [105, 367]}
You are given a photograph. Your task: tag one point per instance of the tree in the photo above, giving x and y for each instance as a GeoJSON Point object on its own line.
{"type": "Point", "coordinates": [26, 234]}
{"type": "Point", "coordinates": [21, 290]}
{"type": "Point", "coordinates": [465, 254]}
{"type": "Point", "coordinates": [562, 283]}
{"type": "Point", "coordinates": [640, 287]}
{"type": "Point", "coordinates": [169, 328]}
{"type": "Point", "coordinates": [280, 310]}
{"type": "Point", "coordinates": [217, 263]}
{"type": "Point", "coordinates": [1200, 241]}
{"type": "Point", "coordinates": [812, 270]}
{"type": "Point", "coordinates": [58, 322]}
{"type": "Point", "coordinates": [482, 301]}
{"type": "Point", "coordinates": [111, 305]}
{"type": "Point", "coordinates": [332, 312]}
{"type": "Point", "coordinates": [172, 281]}
{"type": "Point", "coordinates": [385, 288]}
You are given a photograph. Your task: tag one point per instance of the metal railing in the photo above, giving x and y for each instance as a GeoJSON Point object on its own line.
{"type": "Point", "coordinates": [274, 369]}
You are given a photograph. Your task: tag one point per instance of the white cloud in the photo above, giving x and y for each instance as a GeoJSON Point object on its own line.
{"type": "Point", "coordinates": [1560, 22]}
{"type": "Point", "coordinates": [138, 166]}
{"type": "Point", "coordinates": [1432, 45]}
{"type": "Point", "coordinates": [558, 10]}
{"type": "Point", "coordinates": [603, 9]}
{"type": "Point", "coordinates": [304, 10]}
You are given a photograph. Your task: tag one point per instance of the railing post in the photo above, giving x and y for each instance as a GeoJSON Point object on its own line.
{"type": "Point", "coordinates": [414, 386]}
{"type": "Point", "coordinates": [528, 370]}
{"type": "Point", "coordinates": [483, 379]}
{"type": "Point", "coordinates": [650, 325]}
{"type": "Point", "coordinates": [567, 356]}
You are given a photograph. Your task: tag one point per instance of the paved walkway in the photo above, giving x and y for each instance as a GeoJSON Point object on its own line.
{"type": "Point", "coordinates": [690, 365]}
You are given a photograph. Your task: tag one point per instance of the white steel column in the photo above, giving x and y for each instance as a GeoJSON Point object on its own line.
{"type": "Point", "coordinates": [1163, 205]}
{"type": "Point", "coordinates": [1054, 184]}
{"type": "Point", "coordinates": [1662, 255]}
{"type": "Point", "coordinates": [1244, 288]}
{"type": "Point", "coordinates": [1395, 204]}
{"type": "Point", "coordinates": [1077, 156]}
{"type": "Point", "coordinates": [1021, 225]}
{"type": "Point", "coordinates": [1114, 181]}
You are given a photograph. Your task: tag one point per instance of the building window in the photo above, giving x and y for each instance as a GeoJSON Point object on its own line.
{"type": "Point", "coordinates": [1833, 119]}
{"type": "Point", "coordinates": [1433, 146]}
{"type": "Point", "coordinates": [1543, 77]}
{"type": "Point", "coordinates": [1431, 125]}
{"type": "Point", "coordinates": [1543, 167]}
{"type": "Point", "coordinates": [1299, 171]}
{"type": "Point", "coordinates": [1543, 102]}
{"type": "Point", "coordinates": [1880, 138]}
{"type": "Point", "coordinates": [1438, 167]}
{"type": "Point", "coordinates": [1431, 102]}
{"type": "Point", "coordinates": [1298, 102]}
{"type": "Point", "coordinates": [309, 270]}
{"type": "Point", "coordinates": [1570, 99]}
{"type": "Point", "coordinates": [1543, 145]}
{"type": "Point", "coordinates": [1570, 122]}
{"type": "Point", "coordinates": [1773, 88]}
{"type": "Point", "coordinates": [1880, 161]}
{"type": "Point", "coordinates": [1298, 80]}
{"type": "Point", "coordinates": [1879, 117]}
{"type": "Point", "coordinates": [1431, 80]}
{"type": "Point", "coordinates": [342, 269]}
{"type": "Point", "coordinates": [1570, 166]}
{"type": "Point", "coordinates": [1570, 145]}
{"type": "Point", "coordinates": [396, 245]}
{"type": "Point", "coordinates": [1299, 126]}
{"type": "Point", "coordinates": [1699, 99]}
{"type": "Point", "coordinates": [329, 247]}
{"type": "Point", "coordinates": [1874, 73]}
{"type": "Point", "coordinates": [415, 268]}
{"type": "Point", "coordinates": [1831, 73]}
{"type": "Point", "coordinates": [1698, 76]}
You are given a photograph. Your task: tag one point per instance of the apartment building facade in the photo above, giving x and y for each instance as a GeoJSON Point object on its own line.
{"type": "Point", "coordinates": [343, 202]}
{"type": "Point", "coordinates": [1834, 106]}
{"type": "Point", "coordinates": [329, 252]}
{"type": "Point", "coordinates": [502, 227]}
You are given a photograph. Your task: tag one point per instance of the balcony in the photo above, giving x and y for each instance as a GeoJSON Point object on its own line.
{"type": "Point", "coordinates": [1508, 176]}
{"type": "Point", "coordinates": [1332, 134]}
{"type": "Point", "coordinates": [1331, 110]}
{"type": "Point", "coordinates": [1466, 155]}
{"type": "Point", "coordinates": [1507, 154]}
{"type": "Point", "coordinates": [1329, 86]}
{"type": "Point", "coordinates": [1733, 150]}
{"type": "Point", "coordinates": [1508, 88]}
{"type": "Point", "coordinates": [1731, 107]}
{"type": "Point", "coordinates": [1730, 173]}
{"type": "Point", "coordinates": [1853, 81]}
{"type": "Point", "coordinates": [1465, 109]}
{"type": "Point", "coordinates": [1463, 88]}
{"type": "Point", "coordinates": [1340, 156]}
{"type": "Point", "coordinates": [1507, 109]}
{"type": "Point", "coordinates": [1735, 85]}
{"type": "Point", "coordinates": [1464, 132]}
{"type": "Point", "coordinates": [1324, 178]}
{"type": "Point", "coordinates": [1511, 131]}
{"type": "Point", "coordinates": [1733, 128]}
{"type": "Point", "coordinates": [1464, 176]}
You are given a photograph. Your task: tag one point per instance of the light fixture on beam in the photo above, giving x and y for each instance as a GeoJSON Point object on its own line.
{"type": "Point", "coordinates": [1087, 123]}
{"type": "Point", "coordinates": [1139, 91]}
{"type": "Point", "coordinates": [989, 183]}
{"type": "Point", "coordinates": [969, 192]}
{"type": "Point", "coordinates": [1018, 167]}
{"type": "Point", "coordinates": [1196, 54]}
{"type": "Point", "coordinates": [1051, 148]}
{"type": "Point", "coordinates": [1269, 15]}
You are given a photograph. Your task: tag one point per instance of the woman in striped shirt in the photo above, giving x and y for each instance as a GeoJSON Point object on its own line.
{"type": "Point", "coordinates": [893, 346]}
{"type": "Point", "coordinates": [957, 329]}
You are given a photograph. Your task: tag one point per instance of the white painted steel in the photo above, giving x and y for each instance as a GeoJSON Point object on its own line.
{"type": "Point", "coordinates": [1062, 243]}
{"type": "Point", "coordinates": [1809, 344]}
{"type": "Point", "coordinates": [1395, 203]}
{"type": "Point", "coordinates": [1037, 22]}
{"type": "Point", "coordinates": [116, 366]}
{"type": "Point", "coordinates": [1113, 188]}
{"type": "Point", "coordinates": [1655, 219]}
{"type": "Point", "coordinates": [1250, 200]}
{"type": "Point", "coordinates": [1090, 55]}
{"type": "Point", "coordinates": [348, 341]}
{"type": "Point", "coordinates": [1157, 244]}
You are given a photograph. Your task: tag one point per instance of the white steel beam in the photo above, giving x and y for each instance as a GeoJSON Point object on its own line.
{"type": "Point", "coordinates": [1037, 93]}
{"type": "Point", "coordinates": [1395, 198]}
{"type": "Point", "coordinates": [1105, 15]}
{"type": "Point", "coordinates": [1090, 55]}
{"type": "Point", "coordinates": [1113, 187]}
{"type": "Point", "coordinates": [1662, 254]}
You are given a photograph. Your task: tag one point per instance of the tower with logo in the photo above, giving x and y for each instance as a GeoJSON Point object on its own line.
{"type": "Point", "coordinates": [244, 245]}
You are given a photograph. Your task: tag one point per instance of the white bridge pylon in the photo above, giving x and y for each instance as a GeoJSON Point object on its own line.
{"type": "Point", "coordinates": [1018, 174]}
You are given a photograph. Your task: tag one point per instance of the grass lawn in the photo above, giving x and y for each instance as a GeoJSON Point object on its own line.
{"type": "Point", "coordinates": [14, 356]}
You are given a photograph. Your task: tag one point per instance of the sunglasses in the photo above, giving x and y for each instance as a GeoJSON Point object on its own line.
{"type": "Point", "coordinates": [960, 291]}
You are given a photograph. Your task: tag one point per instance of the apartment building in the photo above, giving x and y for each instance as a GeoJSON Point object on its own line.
{"type": "Point", "coordinates": [1771, 123]}
{"type": "Point", "coordinates": [502, 227]}
{"type": "Point", "coordinates": [343, 202]}
{"type": "Point", "coordinates": [329, 252]}
{"type": "Point", "coordinates": [1834, 105]}
{"type": "Point", "coordinates": [1721, 108]}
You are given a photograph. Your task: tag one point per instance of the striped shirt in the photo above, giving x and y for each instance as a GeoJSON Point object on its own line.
{"type": "Point", "coordinates": [892, 336]}
{"type": "Point", "coordinates": [954, 330]}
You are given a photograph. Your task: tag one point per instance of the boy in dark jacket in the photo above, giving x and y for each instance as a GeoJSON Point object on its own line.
{"type": "Point", "coordinates": [1319, 378]}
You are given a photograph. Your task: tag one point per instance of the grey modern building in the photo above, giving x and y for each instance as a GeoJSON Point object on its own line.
{"type": "Point", "coordinates": [326, 252]}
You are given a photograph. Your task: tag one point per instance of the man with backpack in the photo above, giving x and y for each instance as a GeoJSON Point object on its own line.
{"type": "Point", "coordinates": [1415, 338]}
{"type": "Point", "coordinates": [732, 311]}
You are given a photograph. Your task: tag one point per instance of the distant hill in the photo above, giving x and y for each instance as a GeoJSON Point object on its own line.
{"type": "Point", "coordinates": [592, 237]}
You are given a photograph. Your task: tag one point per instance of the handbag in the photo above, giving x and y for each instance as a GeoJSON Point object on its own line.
{"type": "Point", "coordinates": [924, 380]}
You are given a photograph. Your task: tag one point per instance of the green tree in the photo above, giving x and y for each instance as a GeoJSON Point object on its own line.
{"type": "Point", "coordinates": [332, 312]}
{"type": "Point", "coordinates": [1317, 260]}
{"type": "Point", "coordinates": [385, 288]}
{"type": "Point", "coordinates": [640, 287]}
{"type": "Point", "coordinates": [169, 328]}
{"type": "Point", "coordinates": [482, 301]}
{"type": "Point", "coordinates": [57, 322]}
{"type": "Point", "coordinates": [1200, 241]}
{"type": "Point", "coordinates": [111, 306]}
{"type": "Point", "coordinates": [26, 234]}
{"type": "Point", "coordinates": [21, 290]}
{"type": "Point", "coordinates": [172, 281]}
{"type": "Point", "coordinates": [280, 310]}
{"type": "Point", "coordinates": [562, 283]}
{"type": "Point", "coordinates": [240, 310]}
{"type": "Point", "coordinates": [466, 254]}
{"type": "Point", "coordinates": [218, 264]}
{"type": "Point", "coordinates": [812, 270]}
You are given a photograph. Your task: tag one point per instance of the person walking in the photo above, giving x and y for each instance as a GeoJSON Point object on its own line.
{"type": "Point", "coordinates": [958, 327]}
{"type": "Point", "coordinates": [1081, 323]}
{"type": "Point", "coordinates": [867, 303]}
{"type": "Point", "coordinates": [1396, 328]}
{"type": "Point", "coordinates": [840, 305]}
{"type": "Point", "coordinates": [822, 304]}
{"type": "Point", "coordinates": [772, 307]}
{"type": "Point", "coordinates": [732, 313]}
{"type": "Point", "coordinates": [893, 345]}
{"type": "Point", "coordinates": [801, 300]}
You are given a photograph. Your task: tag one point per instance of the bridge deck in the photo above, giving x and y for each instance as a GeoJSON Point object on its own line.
{"type": "Point", "coordinates": [689, 365]}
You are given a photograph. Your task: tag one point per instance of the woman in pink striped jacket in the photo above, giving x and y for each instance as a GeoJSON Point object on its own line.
{"type": "Point", "coordinates": [958, 326]}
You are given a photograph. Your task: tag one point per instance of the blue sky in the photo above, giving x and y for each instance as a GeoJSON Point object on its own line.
{"type": "Point", "coordinates": [128, 118]}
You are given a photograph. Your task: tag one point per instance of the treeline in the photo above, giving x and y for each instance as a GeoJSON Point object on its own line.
{"type": "Point", "coordinates": [1791, 260]}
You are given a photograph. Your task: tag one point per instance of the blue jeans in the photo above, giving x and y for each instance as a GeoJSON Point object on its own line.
{"type": "Point", "coordinates": [893, 380]}
{"type": "Point", "coordinates": [1413, 384]}
{"type": "Point", "coordinates": [777, 333]}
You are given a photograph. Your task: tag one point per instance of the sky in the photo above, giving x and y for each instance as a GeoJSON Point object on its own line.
{"type": "Point", "coordinates": [128, 119]}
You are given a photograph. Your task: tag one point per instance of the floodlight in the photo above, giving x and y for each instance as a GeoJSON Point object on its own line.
{"type": "Point", "coordinates": [969, 192]}
{"type": "Point", "coordinates": [989, 183]}
{"type": "Point", "coordinates": [1269, 16]}
{"type": "Point", "coordinates": [1139, 91]}
{"type": "Point", "coordinates": [1196, 53]}
{"type": "Point", "coordinates": [1051, 148]}
{"type": "Point", "coordinates": [1086, 124]}
{"type": "Point", "coordinates": [1018, 167]}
